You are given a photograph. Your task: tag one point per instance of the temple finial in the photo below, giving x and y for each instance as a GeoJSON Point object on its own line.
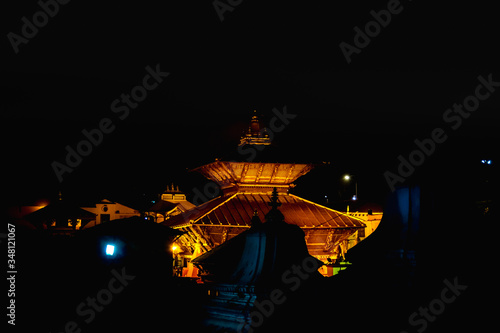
{"type": "Point", "coordinates": [274, 215]}
{"type": "Point", "coordinates": [274, 199]}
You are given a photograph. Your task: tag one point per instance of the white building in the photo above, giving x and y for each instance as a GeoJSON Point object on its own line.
{"type": "Point", "coordinates": [107, 210]}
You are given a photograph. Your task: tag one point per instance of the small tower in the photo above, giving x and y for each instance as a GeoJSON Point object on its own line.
{"type": "Point", "coordinates": [173, 194]}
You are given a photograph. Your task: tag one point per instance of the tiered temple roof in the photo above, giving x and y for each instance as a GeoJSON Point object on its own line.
{"type": "Point", "coordinates": [247, 187]}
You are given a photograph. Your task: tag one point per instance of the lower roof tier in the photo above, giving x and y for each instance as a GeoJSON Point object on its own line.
{"type": "Point", "coordinates": [237, 210]}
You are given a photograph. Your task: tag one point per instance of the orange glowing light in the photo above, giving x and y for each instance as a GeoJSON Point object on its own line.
{"type": "Point", "coordinates": [41, 203]}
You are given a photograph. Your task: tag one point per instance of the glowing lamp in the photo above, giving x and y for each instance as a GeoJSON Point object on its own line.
{"type": "Point", "coordinates": [110, 249]}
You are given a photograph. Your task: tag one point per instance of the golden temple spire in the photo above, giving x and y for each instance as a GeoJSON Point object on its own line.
{"type": "Point", "coordinates": [255, 135]}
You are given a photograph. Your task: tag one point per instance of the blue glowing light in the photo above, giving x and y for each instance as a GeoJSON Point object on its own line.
{"type": "Point", "coordinates": [110, 249]}
{"type": "Point", "coordinates": [486, 162]}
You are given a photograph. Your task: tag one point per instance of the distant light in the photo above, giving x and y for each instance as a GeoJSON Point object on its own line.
{"type": "Point", "coordinates": [110, 249]}
{"type": "Point", "coordinates": [347, 177]}
{"type": "Point", "coordinates": [486, 162]}
{"type": "Point", "coordinates": [153, 201]}
{"type": "Point", "coordinates": [326, 196]}
{"type": "Point", "coordinates": [354, 197]}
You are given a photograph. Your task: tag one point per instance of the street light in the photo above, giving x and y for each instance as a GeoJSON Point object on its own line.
{"type": "Point", "coordinates": [347, 178]}
{"type": "Point", "coordinates": [176, 268]}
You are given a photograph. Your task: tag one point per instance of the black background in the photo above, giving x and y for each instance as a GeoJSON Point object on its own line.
{"type": "Point", "coordinates": [358, 116]}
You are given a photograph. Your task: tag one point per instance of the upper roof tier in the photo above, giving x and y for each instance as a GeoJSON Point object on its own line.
{"type": "Point", "coordinates": [248, 175]}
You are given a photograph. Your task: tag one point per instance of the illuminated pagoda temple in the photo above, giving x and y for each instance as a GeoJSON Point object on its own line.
{"type": "Point", "coordinates": [247, 188]}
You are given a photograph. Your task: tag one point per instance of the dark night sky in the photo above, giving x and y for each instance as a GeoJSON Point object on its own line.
{"type": "Point", "coordinates": [360, 116]}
